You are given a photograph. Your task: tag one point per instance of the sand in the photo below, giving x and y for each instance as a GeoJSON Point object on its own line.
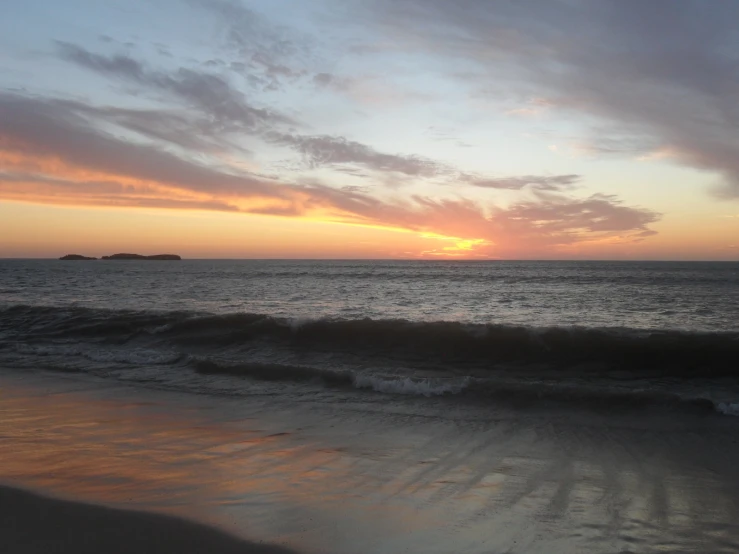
{"type": "Point", "coordinates": [368, 474]}
{"type": "Point", "coordinates": [33, 524]}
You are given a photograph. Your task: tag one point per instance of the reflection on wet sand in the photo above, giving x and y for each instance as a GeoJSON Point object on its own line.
{"type": "Point", "coordinates": [333, 479]}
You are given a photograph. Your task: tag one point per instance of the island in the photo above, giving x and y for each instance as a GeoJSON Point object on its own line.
{"type": "Point", "coordinates": [124, 256]}
{"type": "Point", "coordinates": [76, 257]}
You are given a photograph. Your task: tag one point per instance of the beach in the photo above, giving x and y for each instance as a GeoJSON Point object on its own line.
{"type": "Point", "coordinates": [32, 523]}
{"type": "Point", "coordinates": [376, 277]}
{"type": "Point", "coordinates": [352, 407]}
{"type": "Point", "coordinates": [363, 476]}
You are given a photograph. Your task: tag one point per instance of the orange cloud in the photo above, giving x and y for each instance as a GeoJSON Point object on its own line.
{"type": "Point", "coordinates": [48, 155]}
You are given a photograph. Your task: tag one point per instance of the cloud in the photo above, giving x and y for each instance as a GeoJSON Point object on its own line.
{"type": "Point", "coordinates": [222, 110]}
{"type": "Point", "coordinates": [50, 129]}
{"type": "Point", "coordinates": [22, 186]}
{"type": "Point", "coordinates": [533, 107]}
{"type": "Point", "coordinates": [324, 79]}
{"type": "Point", "coordinates": [662, 73]}
{"type": "Point", "coordinates": [210, 93]}
{"type": "Point", "coordinates": [271, 55]}
{"type": "Point", "coordinates": [50, 153]}
{"type": "Point", "coordinates": [549, 220]}
{"type": "Point", "coordinates": [322, 150]}
{"type": "Point", "coordinates": [184, 129]}
{"type": "Point", "coordinates": [534, 182]}
{"type": "Point", "coordinates": [229, 111]}
{"type": "Point", "coordinates": [560, 220]}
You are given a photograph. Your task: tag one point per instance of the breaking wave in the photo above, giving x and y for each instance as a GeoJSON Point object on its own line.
{"type": "Point", "coordinates": [408, 385]}
{"type": "Point", "coordinates": [676, 353]}
{"type": "Point", "coordinates": [125, 356]}
{"type": "Point", "coordinates": [607, 366]}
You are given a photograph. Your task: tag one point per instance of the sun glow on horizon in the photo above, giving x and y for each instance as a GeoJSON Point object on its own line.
{"type": "Point", "coordinates": [462, 247]}
{"type": "Point", "coordinates": [275, 138]}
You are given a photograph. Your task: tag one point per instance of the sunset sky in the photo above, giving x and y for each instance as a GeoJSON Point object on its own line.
{"type": "Point", "coordinates": [370, 128]}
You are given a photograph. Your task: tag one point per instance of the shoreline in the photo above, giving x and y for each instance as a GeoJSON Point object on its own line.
{"type": "Point", "coordinates": [31, 523]}
{"type": "Point", "coordinates": [364, 476]}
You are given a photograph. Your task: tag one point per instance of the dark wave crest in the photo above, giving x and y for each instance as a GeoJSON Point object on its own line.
{"type": "Point", "coordinates": [274, 372]}
{"type": "Point", "coordinates": [528, 395]}
{"type": "Point", "coordinates": [598, 367]}
{"type": "Point", "coordinates": [423, 344]}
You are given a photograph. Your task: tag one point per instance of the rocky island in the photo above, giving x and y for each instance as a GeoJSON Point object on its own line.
{"type": "Point", "coordinates": [124, 256]}
{"type": "Point", "coordinates": [76, 257]}
{"type": "Point", "coordinates": [140, 257]}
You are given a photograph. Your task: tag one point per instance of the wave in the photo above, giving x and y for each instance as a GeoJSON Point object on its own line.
{"type": "Point", "coordinates": [134, 356]}
{"type": "Point", "coordinates": [409, 385]}
{"type": "Point", "coordinates": [528, 395]}
{"type": "Point", "coordinates": [379, 383]}
{"type": "Point", "coordinates": [502, 272]}
{"type": "Point", "coordinates": [496, 362]}
{"type": "Point", "coordinates": [444, 343]}
{"type": "Point", "coordinates": [536, 395]}
{"type": "Point", "coordinates": [728, 408]}
{"type": "Point", "coordinates": [273, 372]}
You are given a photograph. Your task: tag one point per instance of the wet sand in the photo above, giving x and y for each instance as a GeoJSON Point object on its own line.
{"type": "Point", "coordinates": [33, 524]}
{"type": "Point", "coordinates": [364, 473]}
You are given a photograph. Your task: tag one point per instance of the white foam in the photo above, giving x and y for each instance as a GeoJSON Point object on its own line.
{"type": "Point", "coordinates": [295, 323]}
{"type": "Point", "coordinates": [410, 386]}
{"type": "Point", "coordinates": [728, 408]}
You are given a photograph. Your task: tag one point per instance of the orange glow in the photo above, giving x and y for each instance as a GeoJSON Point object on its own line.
{"type": "Point", "coordinates": [176, 459]}
{"type": "Point", "coordinates": [58, 207]}
{"type": "Point", "coordinates": [42, 175]}
{"type": "Point", "coordinates": [460, 248]}
{"type": "Point", "coordinates": [50, 231]}
{"type": "Point", "coordinates": [54, 166]}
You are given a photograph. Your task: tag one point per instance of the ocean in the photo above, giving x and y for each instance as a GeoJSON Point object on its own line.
{"type": "Point", "coordinates": [641, 334]}
{"type": "Point", "coordinates": [358, 407]}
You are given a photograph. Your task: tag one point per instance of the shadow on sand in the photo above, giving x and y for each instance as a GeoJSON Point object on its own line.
{"type": "Point", "coordinates": [31, 524]}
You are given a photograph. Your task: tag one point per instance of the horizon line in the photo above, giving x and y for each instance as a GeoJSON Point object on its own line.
{"type": "Point", "coordinates": [666, 260]}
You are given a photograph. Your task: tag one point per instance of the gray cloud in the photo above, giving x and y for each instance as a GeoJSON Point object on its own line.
{"type": "Point", "coordinates": [533, 182]}
{"type": "Point", "coordinates": [224, 110]}
{"type": "Point", "coordinates": [186, 130]}
{"type": "Point", "coordinates": [661, 72]}
{"type": "Point", "coordinates": [322, 150]}
{"type": "Point", "coordinates": [271, 55]}
{"type": "Point", "coordinates": [214, 97]}
{"type": "Point", "coordinates": [323, 79]}
{"type": "Point", "coordinates": [209, 93]}
{"type": "Point", "coordinates": [40, 127]}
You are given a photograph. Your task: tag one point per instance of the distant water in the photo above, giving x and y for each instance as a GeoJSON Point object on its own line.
{"type": "Point", "coordinates": [601, 332]}
{"type": "Point", "coordinates": [639, 295]}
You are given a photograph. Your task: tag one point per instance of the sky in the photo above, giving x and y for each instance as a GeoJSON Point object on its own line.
{"type": "Point", "coordinates": [474, 129]}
